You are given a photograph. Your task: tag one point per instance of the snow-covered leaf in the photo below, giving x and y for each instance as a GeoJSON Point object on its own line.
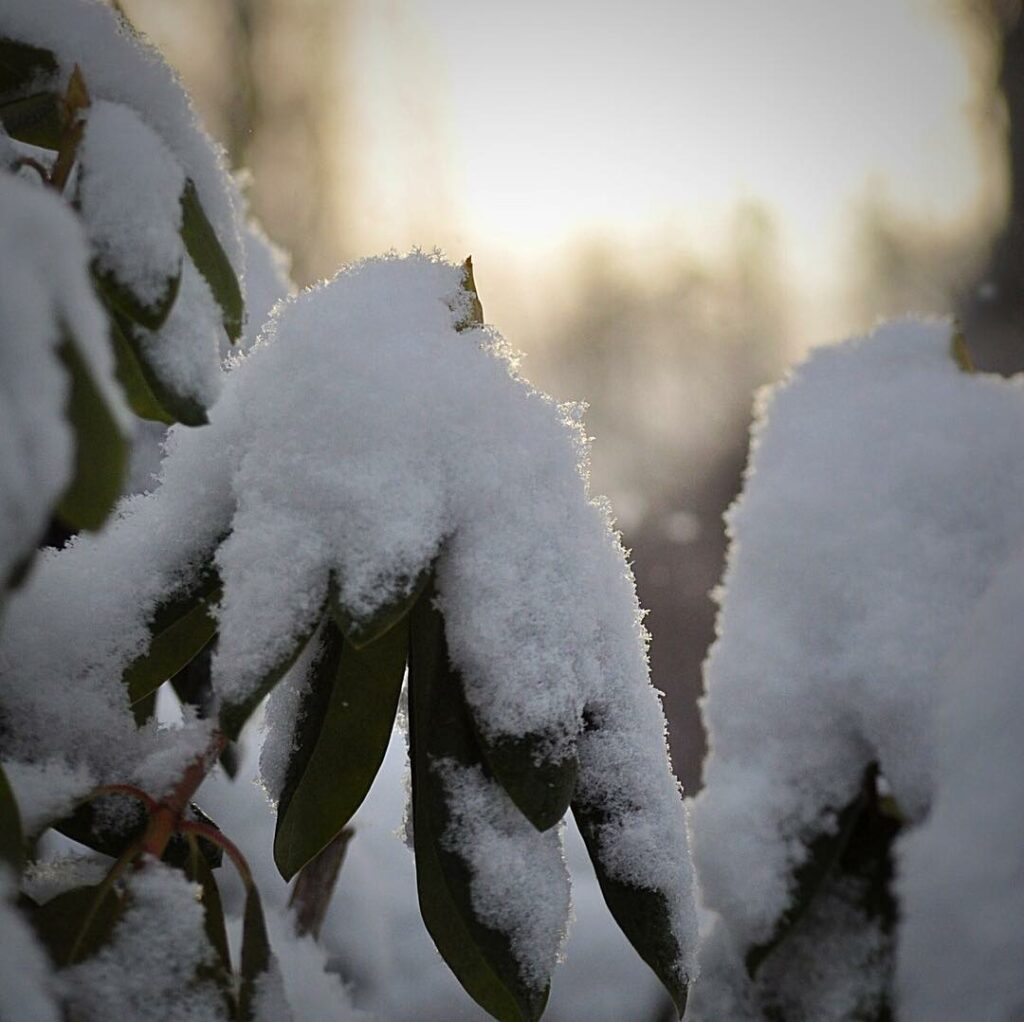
{"type": "Point", "coordinates": [74, 925]}
{"type": "Point", "coordinates": [847, 849]}
{"type": "Point", "coordinates": [181, 627]}
{"type": "Point", "coordinates": [541, 787]}
{"type": "Point", "coordinates": [362, 632]}
{"type": "Point", "coordinates": [120, 296]}
{"type": "Point", "coordinates": [481, 957]}
{"type": "Point", "coordinates": [210, 259]}
{"type": "Point", "coordinates": [12, 846]}
{"type": "Point", "coordinates": [642, 913]}
{"type": "Point", "coordinates": [234, 713]}
{"type": "Point", "coordinates": [101, 453]}
{"type": "Point", "coordinates": [344, 725]}
{"type": "Point", "coordinates": [149, 396]}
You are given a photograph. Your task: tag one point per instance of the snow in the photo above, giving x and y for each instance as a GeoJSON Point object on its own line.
{"type": "Point", "coordinates": [26, 986]}
{"type": "Point", "coordinates": [120, 66]}
{"type": "Point", "coordinates": [884, 493]}
{"type": "Point", "coordinates": [148, 972]}
{"type": "Point", "coordinates": [129, 190]}
{"type": "Point", "coordinates": [45, 790]}
{"type": "Point", "coordinates": [84, 613]}
{"type": "Point", "coordinates": [44, 284]}
{"type": "Point", "coordinates": [519, 883]}
{"type": "Point", "coordinates": [961, 871]}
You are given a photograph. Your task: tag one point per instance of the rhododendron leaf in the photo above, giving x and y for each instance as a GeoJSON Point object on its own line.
{"type": "Point", "coordinates": [440, 729]}
{"type": "Point", "coordinates": [344, 725]}
{"type": "Point", "coordinates": [101, 452]}
{"type": "Point", "coordinates": [12, 842]}
{"type": "Point", "coordinates": [641, 913]}
{"type": "Point", "coordinates": [210, 260]}
{"type": "Point", "coordinates": [21, 65]}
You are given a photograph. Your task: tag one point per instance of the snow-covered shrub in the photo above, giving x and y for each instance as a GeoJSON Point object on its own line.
{"type": "Point", "coordinates": [370, 492]}
{"type": "Point", "coordinates": [860, 836]}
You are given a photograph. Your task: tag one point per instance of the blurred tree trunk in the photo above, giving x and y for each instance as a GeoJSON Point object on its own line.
{"type": "Point", "coordinates": [992, 311]}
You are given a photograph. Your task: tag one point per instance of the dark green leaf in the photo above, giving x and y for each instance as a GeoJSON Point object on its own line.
{"type": "Point", "coordinates": [344, 726]}
{"type": "Point", "coordinates": [198, 871]}
{"type": "Point", "coordinates": [256, 955]}
{"type": "Point", "coordinates": [21, 65]}
{"type": "Point", "coordinates": [149, 396]}
{"type": "Point", "coordinates": [233, 715]}
{"type": "Point", "coordinates": [439, 728]}
{"type": "Point", "coordinates": [34, 119]}
{"type": "Point", "coordinates": [541, 788]}
{"type": "Point", "coordinates": [211, 261]}
{"type": "Point", "coordinates": [368, 630]}
{"type": "Point", "coordinates": [76, 924]}
{"type": "Point", "coordinates": [641, 913]}
{"type": "Point", "coordinates": [120, 296]}
{"type": "Point", "coordinates": [101, 453]}
{"type": "Point", "coordinates": [181, 627]}
{"type": "Point", "coordinates": [12, 842]}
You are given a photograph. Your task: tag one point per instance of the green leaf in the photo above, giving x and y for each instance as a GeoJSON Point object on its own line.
{"type": "Point", "coordinates": [34, 119]}
{"type": "Point", "coordinates": [211, 261]}
{"type": "Point", "coordinates": [233, 715]}
{"type": "Point", "coordinates": [101, 453]}
{"type": "Point", "coordinates": [860, 845]}
{"type": "Point", "coordinates": [365, 631]}
{"type": "Point", "coordinates": [198, 870]}
{"type": "Point", "coordinates": [541, 788]}
{"type": "Point", "coordinates": [76, 924]}
{"type": "Point", "coordinates": [12, 842]}
{"type": "Point", "coordinates": [256, 955]}
{"type": "Point", "coordinates": [440, 728]}
{"type": "Point", "coordinates": [119, 296]}
{"type": "Point", "coordinates": [148, 395]}
{"type": "Point", "coordinates": [641, 913]}
{"type": "Point", "coordinates": [345, 723]}
{"type": "Point", "coordinates": [21, 64]}
{"type": "Point", "coordinates": [181, 627]}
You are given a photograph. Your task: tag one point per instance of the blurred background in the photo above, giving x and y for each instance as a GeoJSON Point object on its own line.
{"type": "Point", "coordinates": [666, 201]}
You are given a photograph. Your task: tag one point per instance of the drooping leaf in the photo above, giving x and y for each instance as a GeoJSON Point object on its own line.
{"type": "Point", "coordinates": [75, 925]}
{"type": "Point", "coordinates": [345, 723]}
{"type": "Point", "coordinates": [12, 841]}
{"type": "Point", "coordinates": [541, 788]}
{"type": "Point", "coordinates": [119, 296]}
{"type": "Point", "coordinates": [641, 913]}
{"type": "Point", "coordinates": [210, 260]}
{"type": "Point", "coordinates": [256, 955]}
{"type": "Point", "coordinates": [859, 845]}
{"type": "Point", "coordinates": [34, 119]}
{"type": "Point", "coordinates": [101, 452]}
{"type": "Point", "coordinates": [148, 394]}
{"type": "Point", "coordinates": [233, 715]}
{"type": "Point", "coordinates": [440, 729]}
{"type": "Point", "coordinates": [198, 871]}
{"type": "Point", "coordinates": [21, 65]}
{"type": "Point", "coordinates": [181, 627]}
{"type": "Point", "coordinates": [363, 632]}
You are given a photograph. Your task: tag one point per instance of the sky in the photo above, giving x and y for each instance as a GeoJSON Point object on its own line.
{"type": "Point", "coordinates": [512, 130]}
